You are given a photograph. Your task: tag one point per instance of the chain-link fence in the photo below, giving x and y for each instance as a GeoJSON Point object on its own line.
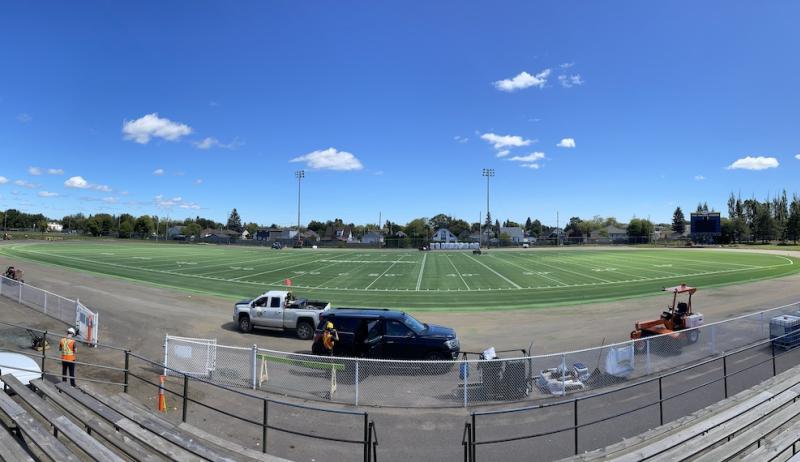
{"type": "Point", "coordinates": [470, 380]}
{"type": "Point", "coordinates": [70, 312]}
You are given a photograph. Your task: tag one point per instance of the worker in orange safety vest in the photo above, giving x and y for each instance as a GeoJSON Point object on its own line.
{"type": "Point", "coordinates": [67, 347]}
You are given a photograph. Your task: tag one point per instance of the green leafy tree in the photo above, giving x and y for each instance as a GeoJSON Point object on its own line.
{"type": "Point", "coordinates": [144, 226]}
{"type": "Point", "coordinates": [192, 229]}
{"type": "Point", "coordinates": [126, 229]}
{"type": "Point", "coordinates": [640, 230]}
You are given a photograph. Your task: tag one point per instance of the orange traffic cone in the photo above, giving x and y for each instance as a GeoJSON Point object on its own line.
{"type": "Point", "coordinates": [162, 401]}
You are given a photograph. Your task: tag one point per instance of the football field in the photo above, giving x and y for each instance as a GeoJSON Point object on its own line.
{"type": "Point", "coordinates": [439, 280]}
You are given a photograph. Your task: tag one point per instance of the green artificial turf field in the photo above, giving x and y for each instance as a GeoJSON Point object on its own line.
{"type": "Point", "coordinates": [440, 280]}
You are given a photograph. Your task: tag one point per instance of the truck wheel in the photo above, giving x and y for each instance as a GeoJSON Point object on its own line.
{"type": "Point", "coordinates": [693, 336]}
{"type": "Point", "coordinates": [305, 331]}
{"type": "Point", "coordinates": [245, 325]}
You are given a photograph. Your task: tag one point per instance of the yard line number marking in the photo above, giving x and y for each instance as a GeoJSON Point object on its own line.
{"type": "Point", "coordinates": [493, 271]}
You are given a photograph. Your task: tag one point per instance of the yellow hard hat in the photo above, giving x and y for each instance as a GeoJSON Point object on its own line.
{"type": "Point", "coordinates": [329, 325]}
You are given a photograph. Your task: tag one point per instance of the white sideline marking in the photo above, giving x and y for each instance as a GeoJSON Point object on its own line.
{"type": "Point", "coordinates": [493, 271]}
{"type": "Point", "coordinates": [458, 272]}
{"type": "Point", "coordinates": [421, 270]}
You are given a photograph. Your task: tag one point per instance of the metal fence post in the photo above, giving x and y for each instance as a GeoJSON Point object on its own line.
{"type": "Point", "coordinates": [563, 374]}
{"type": "Point", "coordinates": [713, 339]}
{"type": "Point", "coordinates": [660, 402]}
{"type": "Point", "coordinates": [725, 372]}
{"type": "Point", "coordinates": [19, 297]}
{"type": "Point", "coordinates": [127, 369]}
{"type": "Point", "coordinates": [185, 395]}
{"type": "Point", "coordinates": [473, 440]}
{"type": "Point", "coordinates": [44, 353]}
{"type": "Point", "coordinates": [357, 374]}
{"type": "Point", "coordinates": [366, 437]}
{"type": "Point", "coordinates": [264, 425]}
{"type": "Point", "coordinates": [465, 372]}
{"type": "Point", "coordinates": [254, 365]}
{"type": "Point", "coordinates": [166, 353]}
{"type": "Point", "coordinates": [45, 303]}
{"type": "Point", "coordinates": [774, 366]}
{"type": "Point", "coordinates": [575, 412]}
{"type": "Point", "coordinates": [647, 358]}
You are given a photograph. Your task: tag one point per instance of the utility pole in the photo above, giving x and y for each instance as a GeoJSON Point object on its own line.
{"type": "Point", "coordinates": [488, 173]}
{"type": "Point", "coordinates": [300, 174]}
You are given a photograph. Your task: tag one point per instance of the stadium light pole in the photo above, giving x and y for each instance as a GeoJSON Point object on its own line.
{"type": "Point", "coordinates": [488, 173]}
{"type": "Point", "coordinates": [300, 174]}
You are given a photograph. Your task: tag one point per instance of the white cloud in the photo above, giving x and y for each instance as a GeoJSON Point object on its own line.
{"type": "Point", "coordinates": [55, 171]}
{"type": "Point", "coordinates": [47, 194]}
{"type": "Point", "coordinates": [102, 187]}
{"type": "Point", "coordinates": [158, 171]}
{"type": "Point", "coordinates": [34, 171]}
{"type": "Point", "coordinates": [503, 153]}
{"type": "Point", "coordinates": [330, 159]}
{"type": "Point", "coordinates": [169, 203]}
{"type": "Point", "coordinates": [460, 139]}
{"type": "Point", "coordinates": [110, 200]}
{"type": "Point", "coordinates": [3, 180]}
{"type": "Point", "coordinates": [25, 184]}
{"type": "Point", "coordinates": [699, 178]}
{"type": "Point", "coordinates": [566, 143]}
{"type": "Point", "coordinates": [209, 142]}
{"type": "Point", "coordinates": [505, 141]}
{"type": "Point", "coordinates": [213, 103]}
{"type": "Point", "coordinates": [523, 80]}
{"type": "Point", "coordinates": [77, 182]}
{"type": "Point", "coordinates": [797, 157]}
{"type": "Point", "coordinates": [569, 81]}
{"type": "Point", "coordinates": [24, 118]}
{"type": "Point", "coordinates": [754, 163]}
{"type": "Point", "coordinates": [533, 166]}
{"type": "Point", "coordinates": [532, 157]}
{"type": "Point", "coordinates": [150, 126]}
{"type": "Point", "coordinates": [198, 181]}
{"type": "Point", "coordinates": [566, 65]}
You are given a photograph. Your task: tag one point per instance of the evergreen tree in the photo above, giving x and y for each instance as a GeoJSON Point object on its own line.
{"type": "Point", "coordinates": [678, 221]}
{"type": "Point", "coordinates": [235, 221]}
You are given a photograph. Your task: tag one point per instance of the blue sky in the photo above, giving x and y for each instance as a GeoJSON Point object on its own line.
{"type": "Point", "coordinates": [396, 107]}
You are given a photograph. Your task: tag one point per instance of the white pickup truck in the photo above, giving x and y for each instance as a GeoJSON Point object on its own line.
{"type": "Point", "coordinates": [279, 310]}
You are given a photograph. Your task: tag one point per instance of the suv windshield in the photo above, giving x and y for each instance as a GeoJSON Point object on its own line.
{"type": "Point", "coordinates": [415, 325]}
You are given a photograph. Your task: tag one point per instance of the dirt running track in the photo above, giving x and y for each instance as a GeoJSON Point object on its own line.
{"type": "Point", "coordinates": [138, 316]}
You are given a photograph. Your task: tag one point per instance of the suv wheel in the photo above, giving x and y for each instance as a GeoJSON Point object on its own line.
{"type": "Point", "coordinates": [305, 331]}
{"type": "Point", "coordinates": [245, 325]}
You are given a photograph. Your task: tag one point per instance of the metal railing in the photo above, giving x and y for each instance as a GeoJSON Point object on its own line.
{"type": "Point", "coordinates": [359, 431]}
{"type": "Point", "coordinates": [471, 437]}
{"type": "Point", "coordinates": [463, 382]}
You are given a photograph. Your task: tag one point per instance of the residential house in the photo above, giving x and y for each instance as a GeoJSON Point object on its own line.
{"type": "Point", "coordinates": [609, 234]}
{"type": "Point", "coordinates": [514, 233]}
{"type": "Point", "coordinates": [443, 235]}
{"type": "Point", "coordinates": [55, 227]}
{"type": "Point", "coordinates": [372, 237]}
{"type": "Point", "coordinates": [174, 231]}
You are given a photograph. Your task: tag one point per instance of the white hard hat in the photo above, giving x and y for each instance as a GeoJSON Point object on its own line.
{"type": "Point", "coordinates": [71, 331]}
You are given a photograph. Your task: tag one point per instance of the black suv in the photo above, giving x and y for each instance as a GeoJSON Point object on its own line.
{"type": "Point", "coordinates": [387, 334]}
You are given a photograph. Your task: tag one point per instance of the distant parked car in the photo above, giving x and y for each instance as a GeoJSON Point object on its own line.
{"type": "Point", "coordinates": [388, 334]}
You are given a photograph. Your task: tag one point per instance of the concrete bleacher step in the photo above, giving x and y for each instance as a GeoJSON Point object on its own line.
{"type": "Point", "coordinates": [134, 430]}
{"type": "Point", "coordinates": [93, 448]}
{"type": "Point", "coordinates": [11, 450]}
{"type": "Point", "coordinates": [34, 433]}
{"type": "Point", "coordinates": [683, 431]}
{"type": "Point", "coordinates": [241, 451]}
{"type": "Point", "coordinates": [122, 442]}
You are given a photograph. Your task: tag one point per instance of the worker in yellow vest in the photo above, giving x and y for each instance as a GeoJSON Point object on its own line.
{"type": "Point", "coordinates": [329, 337]}
{"type": "Point", "coordinates": [67, 347]}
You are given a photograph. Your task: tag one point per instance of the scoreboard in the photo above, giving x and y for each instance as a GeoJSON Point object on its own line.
{"type": "Point", "coordinates": [705, 227]}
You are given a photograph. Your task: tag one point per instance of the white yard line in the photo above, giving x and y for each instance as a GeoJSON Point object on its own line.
{"type": "Point", "coordinates": [531, 270]}
{"type": "Point", "coordinates": [457, 271]}
{"type": "Point", "coordinates": [493, 271]}
{"type": "Point", "coordinates": [582, 275]}
{"type": "Point", "coordinates": [421, 270]}
{"type": "Point", "coordinates": [387, 270]}
{"type": "Point", "coordinates": [276, 269]}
